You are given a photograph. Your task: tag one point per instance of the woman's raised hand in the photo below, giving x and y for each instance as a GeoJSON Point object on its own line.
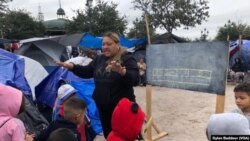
{"type": "Point", "coordinates": [116, 66]}
{"type": "Point", "coordinates": [65, 65]}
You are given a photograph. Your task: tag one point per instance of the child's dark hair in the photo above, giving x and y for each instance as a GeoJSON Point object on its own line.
{"type": "Point", "coordinates": [62, 134]}
{"type": "Point", "coordinates": [243, 87]}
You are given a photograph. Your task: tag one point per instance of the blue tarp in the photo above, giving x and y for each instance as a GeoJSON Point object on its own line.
{"type": "Point", "coordinates": [12, 72]}
{"type": "Point", "coordinates": [126, 43]}
{"type": "Point", "coordinates": [46, 92]}
{"type": "Point", "coordinates": [89, 41]}
{"type": "Point", "coordinates": [84, 91]}
{"type": "Point", "coordinates": [138, 41]}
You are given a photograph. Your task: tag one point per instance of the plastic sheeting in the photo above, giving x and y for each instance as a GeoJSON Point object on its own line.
{"type": "Point", "coordinates": [46, 91]}
{"type": "Point", "coordinates": [85, 91]}
{"type": "Point", "coordinates": [89, 41]}
{"type": "Point", "coordinates": [12, 72]}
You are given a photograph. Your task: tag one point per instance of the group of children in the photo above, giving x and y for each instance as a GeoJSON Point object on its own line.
{"type": "Point", "coordinates": [69, 118]}
{"type": "Point", "coordinates": [127, 119]}
{"type": "Point", "coordinates": [237, 122]}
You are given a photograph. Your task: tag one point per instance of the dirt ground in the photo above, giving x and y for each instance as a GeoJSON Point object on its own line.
{"type": "Point", "coordinates": [183, 114]}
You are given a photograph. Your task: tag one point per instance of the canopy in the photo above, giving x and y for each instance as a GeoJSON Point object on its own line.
{"type": "Point", "coordinates": [89, 41]}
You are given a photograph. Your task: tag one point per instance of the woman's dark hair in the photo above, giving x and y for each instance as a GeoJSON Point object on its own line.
{"type": "Point", "coordinates": [22, 107]}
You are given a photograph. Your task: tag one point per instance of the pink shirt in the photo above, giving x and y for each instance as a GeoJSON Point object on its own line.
{"type": "Point", "coordinates": [13, 129]}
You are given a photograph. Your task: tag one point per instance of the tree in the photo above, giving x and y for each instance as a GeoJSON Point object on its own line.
{"type": "Point", "coordinates": [99, 19]}
{"type": "Point", "coordinates": [139, 29]}
{"type": "Point", "coordinates": [171, 14]}
{"type": "Point", "coordinates": [19, 25]}
{"type": "Point", "coordinates": [233, 30]}
{"type": "Point", "coordinates": [3, 6]}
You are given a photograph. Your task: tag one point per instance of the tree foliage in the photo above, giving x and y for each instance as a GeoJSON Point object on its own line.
{"type": "Point", "coordinates": [19, 25]}
{"type": "Point", "coordinates": [3, 6]}
{"type": "Point", "coordinates": [233, 29]}
{"type": "Point", "coordinates": [172, 14]}
{"type": "Point", "coordinates": [139, 29]}
{"type": "Point", "coordinates": [98, 19]}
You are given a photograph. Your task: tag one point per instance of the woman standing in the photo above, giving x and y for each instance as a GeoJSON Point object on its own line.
{"type": "Point", "coordinates": [115, 73]}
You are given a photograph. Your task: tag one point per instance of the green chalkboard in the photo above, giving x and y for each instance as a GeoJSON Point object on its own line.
{"type": "Point", "coordinates": [192, 66]}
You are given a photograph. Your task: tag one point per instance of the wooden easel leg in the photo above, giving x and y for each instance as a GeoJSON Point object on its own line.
{"type": "Point", "coordinates": [148, 109]}
{"type": "Point", "coordinates": [150, 122]}
{"type": "Point", "coordinates": [220, 104]}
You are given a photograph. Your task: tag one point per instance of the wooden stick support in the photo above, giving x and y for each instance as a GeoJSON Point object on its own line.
{"type": "Point", "coordinates": [148, 109]}
{"type": "Point", "coordinates": [160, 135]}
{"type": "Point", "coordinates": [220, 104]}
{"type": "Point", "coordinates": [150, 122]}
{"type": "Point", "coordinates": [156, 128]}
{"type": "Point", "coordinates": [147, 28]}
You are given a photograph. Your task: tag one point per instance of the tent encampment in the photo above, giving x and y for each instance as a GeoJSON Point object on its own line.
{"type": "Point", "coordinates": [43, 51]}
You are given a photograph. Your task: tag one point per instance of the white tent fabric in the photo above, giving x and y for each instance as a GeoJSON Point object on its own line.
{"type": "Point", "coordinates": [34, 73]}
{"type": "Point", "coordinates": [80, 60]}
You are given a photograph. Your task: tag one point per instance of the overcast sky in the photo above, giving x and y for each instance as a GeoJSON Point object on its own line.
{"type": "Point", "coordinates": [220, 11]}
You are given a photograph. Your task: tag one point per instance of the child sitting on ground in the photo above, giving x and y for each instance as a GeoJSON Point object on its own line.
{"type": "Point", "coordinates": [242, 100]}
{"type": "Point", "coordinates": [12, 103]}
{"type": "Point", "coordinates": [227, 124]}
{"type": "Point", "coordinates": [74, 111]}
{"type": "Point", "coordinates": [62, 134]}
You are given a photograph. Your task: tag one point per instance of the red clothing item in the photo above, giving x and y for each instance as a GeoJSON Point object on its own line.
{"type": "Point", "coordinates": [126, 123]}
{"type": "Point", "coordinates": [80, 128]}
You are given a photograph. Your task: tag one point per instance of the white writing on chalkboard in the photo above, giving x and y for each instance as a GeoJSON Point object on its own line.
{"type": "Point", "coordinates": [182, 76]}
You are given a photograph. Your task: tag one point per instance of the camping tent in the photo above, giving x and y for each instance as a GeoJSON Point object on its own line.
{"type": "Point", "coordinates": [34, 73]}
{"type": "Point", "coordinates": [166, 38]}
{"type": "Point", "coordinates": [69, 40]}
{"type": "Point", "coordinates": [20, 69]}
{"type": "Point", "coordinates": [12, 72]}
{"type": "Point", "coordinates": [43, 51]}
{"type": "Point", "coordinates": [242, 52]}
{"type": "Point", "coordinates": [46, 91]}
